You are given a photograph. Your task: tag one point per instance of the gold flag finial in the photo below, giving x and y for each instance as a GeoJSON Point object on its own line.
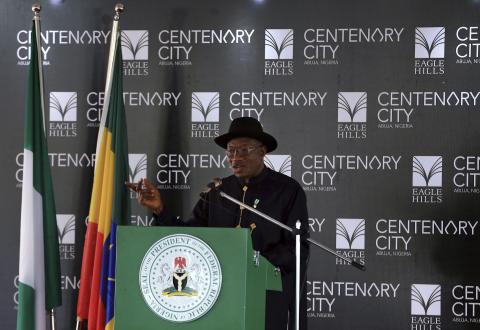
{"type": "Point", "coordinates": [119, 8]}
{"type": "Point", "coordinates": [36, 8]}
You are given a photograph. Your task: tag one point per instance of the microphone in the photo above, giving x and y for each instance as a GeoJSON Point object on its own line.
{"type": "Point", "coordinates": [213, 185]}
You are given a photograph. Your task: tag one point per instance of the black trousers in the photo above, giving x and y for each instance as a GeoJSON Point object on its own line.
{"type": "Point", "coordinates": [280, 306]}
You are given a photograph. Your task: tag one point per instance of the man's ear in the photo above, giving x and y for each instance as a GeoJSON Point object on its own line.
{"type": "Point", "coordinates": [264, 150]}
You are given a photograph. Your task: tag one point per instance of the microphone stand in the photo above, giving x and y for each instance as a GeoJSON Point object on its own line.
{"type": "Point", "coordinates": [296, 232]}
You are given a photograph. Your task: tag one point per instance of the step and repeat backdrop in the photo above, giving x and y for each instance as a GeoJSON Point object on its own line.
{"type": "Point", "coordinates": [375, 105]}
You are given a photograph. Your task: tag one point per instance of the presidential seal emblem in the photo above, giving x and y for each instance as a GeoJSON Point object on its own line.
{"type": "Point", "coordinates": [180, 278]}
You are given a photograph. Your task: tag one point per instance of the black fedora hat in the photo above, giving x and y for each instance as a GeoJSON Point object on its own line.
{"type": "Point", "coordinates": [247, 127]}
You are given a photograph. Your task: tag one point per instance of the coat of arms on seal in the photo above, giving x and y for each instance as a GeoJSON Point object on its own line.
{"type": "Point", "coordinates": [185, 280]}
{"type": "Point", "coordinates": [180, 278]}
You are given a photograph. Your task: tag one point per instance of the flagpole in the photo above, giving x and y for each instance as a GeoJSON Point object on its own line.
{"type": "Point", "coordinates": [119, 8]}
{"type": "Point", "coordinates": [79, 324]}
{"type": "Point", "coordinates": [36, 8]}
{"type": "Point", "coordinates": [52, 319]}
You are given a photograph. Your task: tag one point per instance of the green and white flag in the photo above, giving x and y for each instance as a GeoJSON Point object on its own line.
{"type": "Point", "coordinates": [39, 266]}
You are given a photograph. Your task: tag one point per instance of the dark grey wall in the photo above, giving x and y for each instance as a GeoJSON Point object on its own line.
{"type": "Point", "coordinates": [416, 110]}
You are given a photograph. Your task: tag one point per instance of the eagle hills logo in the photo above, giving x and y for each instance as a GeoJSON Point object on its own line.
{"type": "Point", "coordinates": [426, 299]}
{"type": "Point", "coordinates": [278, 52]}
{"type": "Point", "coordinates": [279, 163]}
{"type": "Point", "coordinates": [429, 51]}
{"type": "Point", "coordinates": [350, 239]}
{"type": "Point", "coordinates": [278, 44]}
{"type": "Point", "coordinates": [352, 107]}
{"type": "Point", "coordinates": [350, 234]}
{"type": "Point", "coordinates": [180, 278]}
{"type": "Point", "coordinates": [427, 171]}
{"type": "Point", "coordinates": [137, 167]}
{"type": "Point", "coordinates": [66, 228]}
{"type": "Point", "coordinates": [134, 45]}
{"type": "Point", "coordinates": [205, 106]}
{"type": "Point", "coordinates": [63, 114]}
{"type": "Point", "coordinates": [352, 115]}
{"type": "Point", "coordinates": [63, 106]}
{"type": "Point", "coordinates": [430, 42]}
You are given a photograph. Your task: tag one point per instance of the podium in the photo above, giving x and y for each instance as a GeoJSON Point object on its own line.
{"type": "Point", "coordinates": [187, 278]}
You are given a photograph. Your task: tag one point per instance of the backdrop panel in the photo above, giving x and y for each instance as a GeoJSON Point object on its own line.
{"type": "Point", "coordinates": [375, 105]}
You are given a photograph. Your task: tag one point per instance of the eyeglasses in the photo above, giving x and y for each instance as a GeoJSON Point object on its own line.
{"type": "Point", "coordinates": [241, 152]}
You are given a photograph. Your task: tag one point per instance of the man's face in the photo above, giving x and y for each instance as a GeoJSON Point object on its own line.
{"type": "Point", "coordinates": [245, 156]}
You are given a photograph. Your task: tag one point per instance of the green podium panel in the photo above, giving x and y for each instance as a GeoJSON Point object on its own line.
{"type": "Point", "coordinates": [160, 282]}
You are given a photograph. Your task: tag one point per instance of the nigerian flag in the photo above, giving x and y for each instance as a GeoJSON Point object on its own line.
{"type": "Point", "coordinates": [39, 265]}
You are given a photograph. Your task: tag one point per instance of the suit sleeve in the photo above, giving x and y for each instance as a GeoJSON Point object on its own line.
{"type": "Point", "coordinates": [283, 254]}
{"type": "Point", "coordinates": [198, 218]}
